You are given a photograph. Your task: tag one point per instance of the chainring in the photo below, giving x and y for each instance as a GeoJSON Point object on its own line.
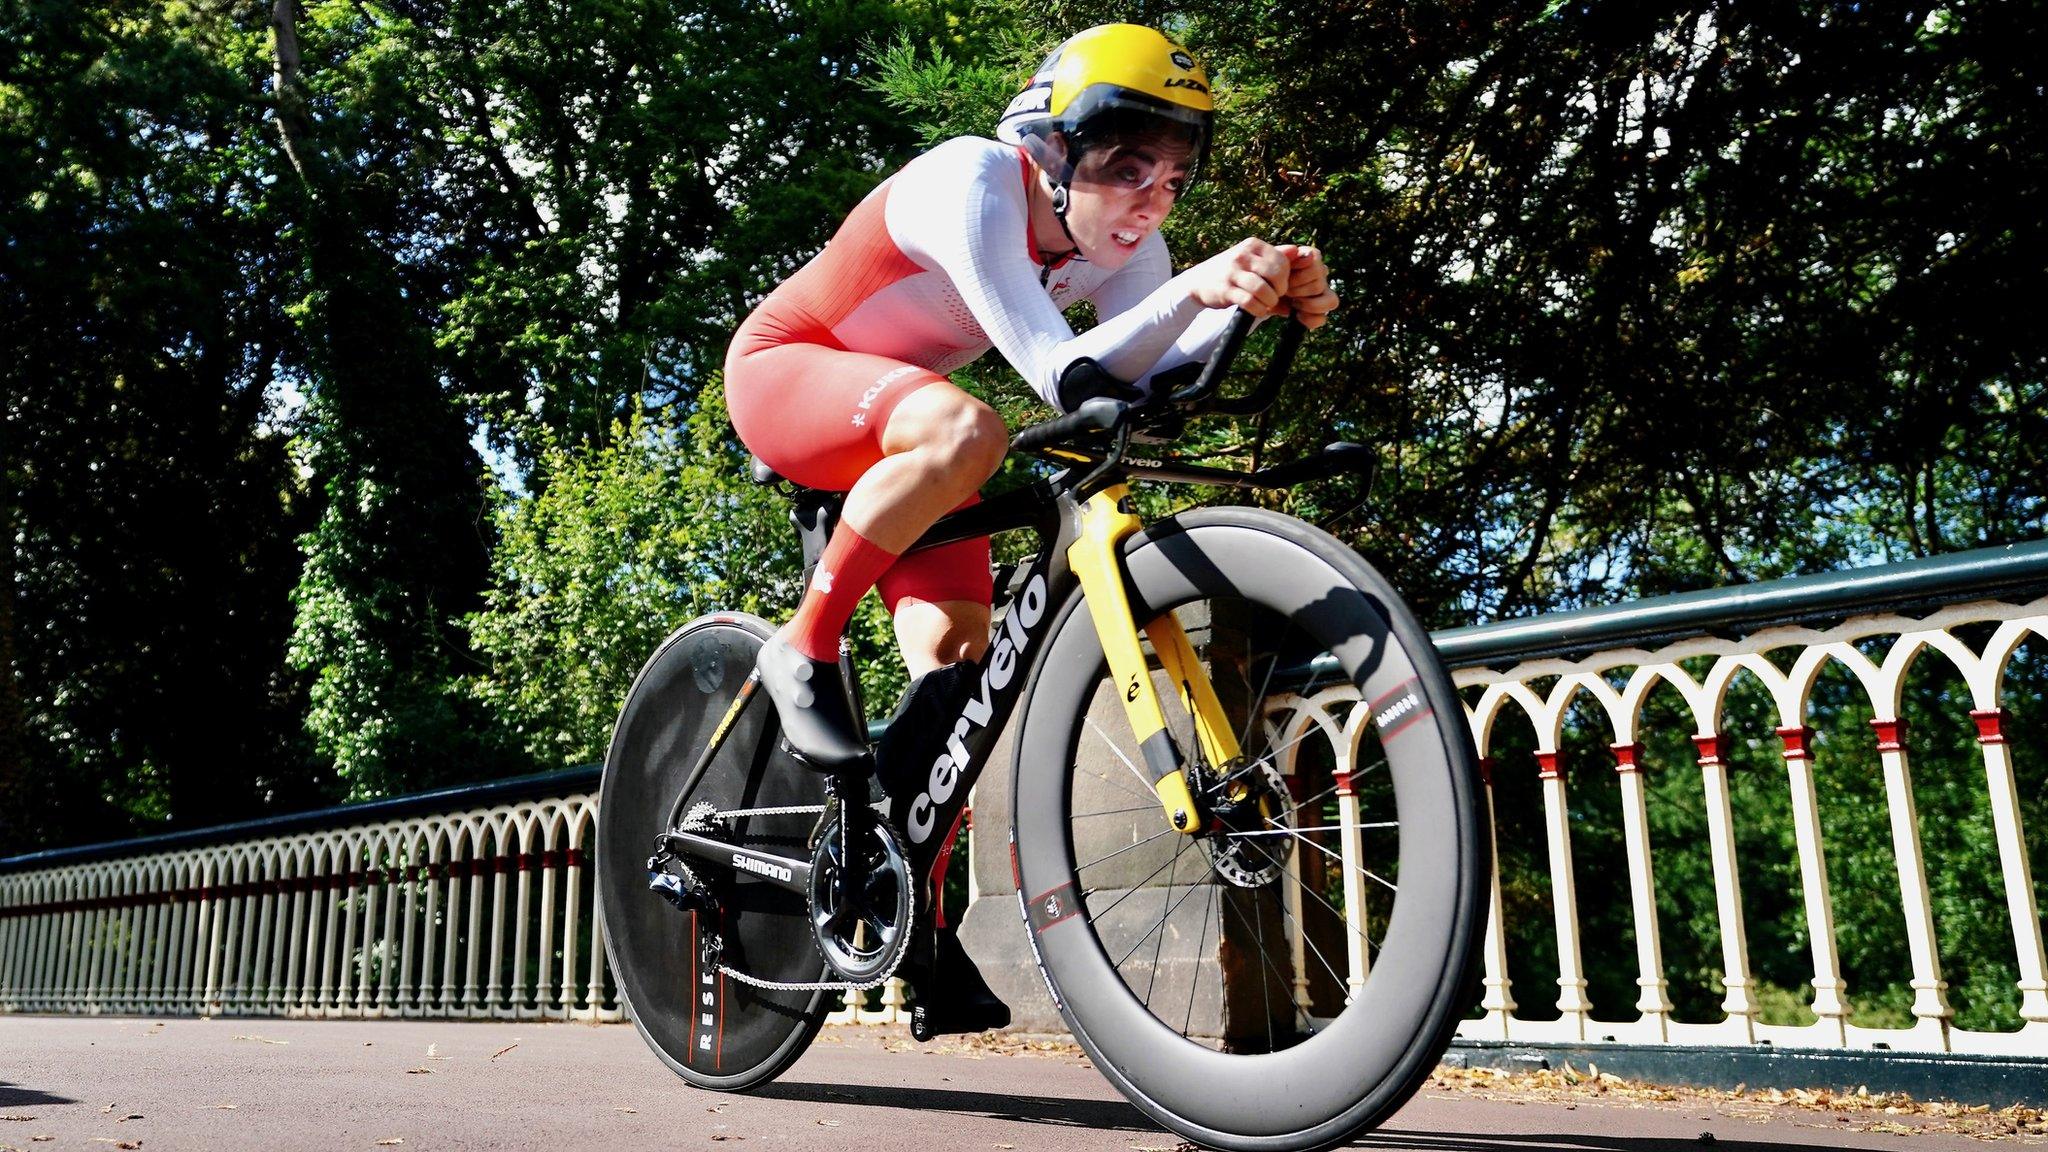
{"type": "Point", "coordinates": [862, 934]}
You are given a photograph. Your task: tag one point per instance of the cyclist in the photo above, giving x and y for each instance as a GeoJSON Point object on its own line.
{"type": "Point", "coordinates": [838, 379]}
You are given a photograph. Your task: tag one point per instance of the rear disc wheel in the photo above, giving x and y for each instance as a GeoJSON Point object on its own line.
{"type": "Point", "coordinates": [710, 1029]}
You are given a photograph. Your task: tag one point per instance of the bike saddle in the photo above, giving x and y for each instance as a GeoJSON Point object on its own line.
{"type": "Point", "coordinates": [763, 473]}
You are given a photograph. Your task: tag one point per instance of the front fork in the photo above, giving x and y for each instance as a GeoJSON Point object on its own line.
{"type": "Point", "coordinates": [1096, 556]}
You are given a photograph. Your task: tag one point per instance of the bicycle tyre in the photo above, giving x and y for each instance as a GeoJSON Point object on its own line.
{"type": "Point", "coordinates": [743, 1036]}
{"type": "Point", "coordinates": [1363, 1064]}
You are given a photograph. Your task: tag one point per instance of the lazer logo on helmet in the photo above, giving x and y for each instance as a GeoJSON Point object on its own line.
{"type": "Point", "coordinates": [997, 672]}
{"type": "Point", "coordinates": [1035, 99]}
{"type": "Point", "coordinates": [1187, 82]}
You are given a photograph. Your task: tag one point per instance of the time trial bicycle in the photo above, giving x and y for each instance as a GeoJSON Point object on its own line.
{"type": "Point", "coordinates": [1261, 943]}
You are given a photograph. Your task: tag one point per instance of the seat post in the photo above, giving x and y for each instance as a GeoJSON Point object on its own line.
{"type": "Point", "coordinates": [814, 511]}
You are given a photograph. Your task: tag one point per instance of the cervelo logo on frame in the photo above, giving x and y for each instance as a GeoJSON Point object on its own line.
{"type": "Point", "coordinates": [996, 673]}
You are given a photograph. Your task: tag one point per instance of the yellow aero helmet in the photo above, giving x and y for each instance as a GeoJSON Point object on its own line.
{"type": "Point", "coordinates": [1124, 76]}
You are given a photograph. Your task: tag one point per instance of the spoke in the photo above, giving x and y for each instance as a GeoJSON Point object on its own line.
{"type": "Point", "coordinates": [1120, 786]}
{"type": "Point", "coordinates": [1266, 986]}
{"type": "Point", "coordinates": [1259, 930]}
{"type": "Point", "coordinates": [1251, 716]}
{"type": "Point", "coordinates": [1323, 828]}
{"type": "Point", "coordinates": [1342, 984]}
{"type": "Point", "coordinates": [1332, 789]}
{"type": "Point", "coordinates": [1369, 873]}
{"type": "Point", "coordinates": [1120, 755]}
{"type": "Point", "coordinates": [1152, 807]}
{"type": "Point", "coordinates": [1159, 933]}
{"type": "Point", "coordinates": [1208, 908]}
{"type": "Point", "coordinates": [1264, 760]}
{"type": "Point", "coordinates": [1334, 910]}
{"type": "Point", "coordinates": [1126, 848]}
{"type": "Point", "coordinates": [1097, 916]}
{"type": "Point", "coordinates": [1163, 916]}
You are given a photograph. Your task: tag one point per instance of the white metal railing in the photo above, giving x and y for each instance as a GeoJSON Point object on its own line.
{"type": "Point", "coordinates": [1618, 682]}
{"type": "Point", "coordinates": [485, 913]}
{"type": "Point", "coordinates": [488, 911]}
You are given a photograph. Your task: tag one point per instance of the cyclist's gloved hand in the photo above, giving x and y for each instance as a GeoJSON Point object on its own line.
{"type": "Point", "coordinates": [1084, 379]}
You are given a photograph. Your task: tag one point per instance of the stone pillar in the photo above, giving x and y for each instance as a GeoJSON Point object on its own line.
{"type": "Point", "coordinates": [1211, 942]}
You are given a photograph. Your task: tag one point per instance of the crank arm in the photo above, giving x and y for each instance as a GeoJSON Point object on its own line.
{"type": "Point", "coordinates": [780, 871]}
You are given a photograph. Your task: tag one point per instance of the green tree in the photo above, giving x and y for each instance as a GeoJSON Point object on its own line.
{"type": "Point", "coordinates": [148, 498]}
{"type": "Point", "coordinates": [629, 539]}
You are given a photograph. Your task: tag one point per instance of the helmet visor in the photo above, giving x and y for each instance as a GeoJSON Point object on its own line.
{"type": "Point", "coordinates": [1112, 134]}
{"type": "Point", "coordinates": [1136, 165]}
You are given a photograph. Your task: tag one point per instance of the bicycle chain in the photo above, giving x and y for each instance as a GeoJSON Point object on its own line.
{"type": "Point", "coordinates": [698, 816]}
{"type": "Point", "coordinates": [787, 810]}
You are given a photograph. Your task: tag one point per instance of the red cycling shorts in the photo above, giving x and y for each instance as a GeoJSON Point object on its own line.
{"type": "Point", "coordinates": [815, 411]}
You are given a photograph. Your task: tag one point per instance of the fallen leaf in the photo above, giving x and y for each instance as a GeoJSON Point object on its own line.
{"type": "Point", "coordinates": [128, 1117]}
{"type": "Point", "coordinates": [393, 1140]}
{"type": "Point", "coordinates": [505, 1049]}
{"type": "Point", "coordinates": [829, 1123]}
{"type": "Point", "coordinates": [107, 1109]}
{"type": "Point", "coordinates": [419, 1071]}
{"type": "Point", "coordinates": [227, 1105]}
{"type": "Point", "coordinates": [17, 1117]}
{"type": "Point", "coordinates": [630, 1111]}
{"type": "Point", "coordinates": [263, 1039]}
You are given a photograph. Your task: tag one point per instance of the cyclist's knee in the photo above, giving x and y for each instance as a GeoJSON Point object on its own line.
{"type": "Point", "coordinates": [979, 441]}
{"type": "Point", "coordinates": [963, 435]}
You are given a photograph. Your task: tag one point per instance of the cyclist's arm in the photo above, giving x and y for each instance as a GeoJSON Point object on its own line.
{"type": "Point", "coordinates": [962, 211]}
{"type": "Point", "coordinates": [1134, 284]}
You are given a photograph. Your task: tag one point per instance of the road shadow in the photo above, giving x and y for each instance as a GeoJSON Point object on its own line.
{"type": "Point", "coordinates": [1393, 1138]}
{"type": "Point", "coordinates": [1108, 1115]}
{"type": "Point", "coordinates": [14, 1096]}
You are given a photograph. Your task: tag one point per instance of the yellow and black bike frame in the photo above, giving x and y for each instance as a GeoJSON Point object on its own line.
{"type": "Point", "coordinates": [1096, 557]}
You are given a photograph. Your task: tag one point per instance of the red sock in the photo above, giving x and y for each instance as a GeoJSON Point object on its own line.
{"type": "Point", "coordinates": [850, 566]}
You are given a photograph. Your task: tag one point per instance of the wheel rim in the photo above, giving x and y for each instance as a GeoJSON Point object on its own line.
{"type": "Point", "coordinates": [1336, 1075]}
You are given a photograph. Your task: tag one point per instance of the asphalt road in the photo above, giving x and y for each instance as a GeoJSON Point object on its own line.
{"type": "Point", "coordinates": [82, 1083]}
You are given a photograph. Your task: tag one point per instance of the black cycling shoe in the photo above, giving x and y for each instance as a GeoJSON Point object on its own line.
{"type": "Point", "coordinates": [949, 995]}
{"type": "Point", "coordinates": [917, 731]}
{"type": "Point", "coordinates": [810, 697]}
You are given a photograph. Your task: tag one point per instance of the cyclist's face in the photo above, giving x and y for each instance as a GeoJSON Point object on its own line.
{"type": "Point", "coordinates": [1121, 193]}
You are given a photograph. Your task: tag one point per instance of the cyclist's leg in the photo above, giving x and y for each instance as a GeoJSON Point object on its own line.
{"type": "Point", "coordinates": [905, 444]}
{"type": "Point", "coordinates": [939, 599]}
